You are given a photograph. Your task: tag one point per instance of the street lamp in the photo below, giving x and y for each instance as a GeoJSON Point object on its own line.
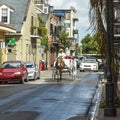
{"type": "Point", "coordinates": [109, 110]}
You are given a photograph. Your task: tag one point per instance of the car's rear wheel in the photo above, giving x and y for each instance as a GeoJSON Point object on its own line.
{"type": "Point", "coordinates": [82, 70]}
{"type": "Point", "coordinates": [6, 82]}
{"type": "Point", "coordinates": [38, 76]}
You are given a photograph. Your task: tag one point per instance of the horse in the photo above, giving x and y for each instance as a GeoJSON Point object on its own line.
{"type": "Point", "coordinates": [59, 65]}
{"type": "Point", "coordinates": [64, 65]}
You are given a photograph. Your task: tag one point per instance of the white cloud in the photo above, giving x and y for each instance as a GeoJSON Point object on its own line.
{"type": "Point", "coordinates": [55, 3]}
{"type": "Point", "coordinates": [82, 7]}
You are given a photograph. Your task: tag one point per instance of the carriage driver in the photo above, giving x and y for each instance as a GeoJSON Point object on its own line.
{"type": "Point", "coordinates": [61, 53]}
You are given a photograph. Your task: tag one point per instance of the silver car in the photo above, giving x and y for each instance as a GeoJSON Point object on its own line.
{"type": "Point", "coordinates": [33, 70]}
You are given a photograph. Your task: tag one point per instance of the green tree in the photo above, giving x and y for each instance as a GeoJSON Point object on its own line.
{"type": "Point", "coordinates": [89, 45]}
{"type": "Point", "coordinates": [43, 29]}
{"type": "Point", "coordinates": [77, 50]}
{"type": "Point", "coordinates": [97, 26]}
{"type": "Point", "coordinates": [64, 42]}
{"type": "Point", "coordinates": [44, 38]}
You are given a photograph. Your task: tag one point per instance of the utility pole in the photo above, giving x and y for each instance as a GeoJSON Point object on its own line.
{"type": "Point", "coordinates": [109, 110]}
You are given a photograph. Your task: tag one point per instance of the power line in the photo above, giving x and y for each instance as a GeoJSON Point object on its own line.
{"type": "Point", "coordinates": [66, 2]}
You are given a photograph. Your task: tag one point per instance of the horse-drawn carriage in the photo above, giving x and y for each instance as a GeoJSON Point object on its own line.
{"type": "Point", "coordinates": [64, 65]}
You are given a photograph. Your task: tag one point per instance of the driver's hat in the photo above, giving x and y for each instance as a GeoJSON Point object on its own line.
{"type": "Point", "coordinates": [61, 49]}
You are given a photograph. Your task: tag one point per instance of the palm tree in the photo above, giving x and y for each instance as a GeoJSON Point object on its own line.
{"type": "Point", "coordinates": [97, 18]}
{"type": "Point", "coordinates": [97, 25]}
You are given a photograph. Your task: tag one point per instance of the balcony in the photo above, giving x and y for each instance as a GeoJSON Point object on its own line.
{"type": "Point", "coordinates": [55, 40]}
{"type": "Point", "coordinates": [34, 31]}
{"type": "Point", "coordinates": [75, 19]}
{"type": "Point", "coordinates": [39, 1]}
{"type": "Point", "coordinates": [61, 23]}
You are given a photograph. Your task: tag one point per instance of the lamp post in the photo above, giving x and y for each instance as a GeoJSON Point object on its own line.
{"type": "Point", "coordinates": [109, 110]}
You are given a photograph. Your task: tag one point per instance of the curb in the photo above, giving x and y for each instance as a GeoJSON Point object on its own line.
{"type": "Point", "coordinates": [94, 111]}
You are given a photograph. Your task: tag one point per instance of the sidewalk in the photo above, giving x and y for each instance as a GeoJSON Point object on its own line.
{"type": "Point", "coordinates": [101, 110]}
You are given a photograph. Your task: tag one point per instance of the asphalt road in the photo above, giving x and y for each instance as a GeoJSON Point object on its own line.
{"type": "Point", "coordinates": [46, 99]}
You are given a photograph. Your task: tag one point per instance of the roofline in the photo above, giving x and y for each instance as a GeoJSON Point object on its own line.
{"type": "Point", "coordinates": [8, 6]}
{"type": "Point", "coordinates": [26, 11]}
{"type": "Point", "coordinates": [7, 27]}
{"type": "Point", "coordinates": [61, 9]}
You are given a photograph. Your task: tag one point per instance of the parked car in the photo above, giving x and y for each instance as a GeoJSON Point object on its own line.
{"type": "Point", "coordinates": [89, 64]}
{"type": "Point", "coordinates": [33, 70]}
{"type": "Point", "coordinates": [13, 71]}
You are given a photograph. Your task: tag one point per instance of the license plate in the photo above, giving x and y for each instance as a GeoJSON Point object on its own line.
{"type": "Point", "coordinates": [7, 74]}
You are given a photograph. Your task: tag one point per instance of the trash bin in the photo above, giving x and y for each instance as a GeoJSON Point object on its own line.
{"type": "Point", "coordinates": [41, 65]}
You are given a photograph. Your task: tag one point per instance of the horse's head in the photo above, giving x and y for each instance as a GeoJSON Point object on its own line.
{"type": "Point", "coordinates": [60, 62]}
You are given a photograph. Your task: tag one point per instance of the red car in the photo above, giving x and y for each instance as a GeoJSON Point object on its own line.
{"type": "Point", "coordinates": [13, 71]}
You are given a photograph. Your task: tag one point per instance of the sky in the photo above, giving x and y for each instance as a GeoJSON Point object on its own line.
{"type": "Point", "coordinates": [82, 7]}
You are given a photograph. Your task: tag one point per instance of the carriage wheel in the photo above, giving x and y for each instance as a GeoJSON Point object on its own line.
{"type": "Point", "coordinates": [73, 73]}
{"type": "Point", "coordinates": [53, 74]}
{"type": "Point", "coordinates": [73, 77]}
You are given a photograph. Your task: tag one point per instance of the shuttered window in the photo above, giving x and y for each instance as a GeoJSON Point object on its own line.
{"type": "Point", "coordinates": [4, 15]}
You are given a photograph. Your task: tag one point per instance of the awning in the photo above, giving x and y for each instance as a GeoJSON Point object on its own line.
{"type": "Point", "coordinates": [7, 28]}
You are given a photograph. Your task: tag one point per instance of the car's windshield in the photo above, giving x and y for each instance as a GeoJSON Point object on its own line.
{"type": "Point", "coordinates": [30, 65]}
{"type": "Point", "coordinates": [11, 65]}
{"type": "Point", "coordinates": [89, 61]}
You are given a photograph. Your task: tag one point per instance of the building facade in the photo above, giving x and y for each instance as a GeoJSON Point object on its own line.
{"type": "Point", "coordinates": [3, 30]}
{"type": "Point", "coordinates": [69, 18]}
{"type": "Point", "coordinates": [117, 26]}
{"type": "Point", "coordinates": [22, 15]}
{"type": "Point", "coordinates": [25, 43]}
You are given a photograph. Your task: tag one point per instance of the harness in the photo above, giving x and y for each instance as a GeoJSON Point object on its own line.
{"type": "Point", "coordinates": [60, 63]}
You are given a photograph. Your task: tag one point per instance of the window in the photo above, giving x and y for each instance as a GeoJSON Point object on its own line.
{"type": "Point", "coordinates": [32, 19]}
{"type": "Point", "coordinates": [4, 16]}
{"type": "Point", "coordinates": [2, 45]}
{"type": "Point", "coordinates": [51, 29]}
{"type": "Point", "coordinates": [68, 25]}
{"type": "Point", "coordinates": [41, 6]}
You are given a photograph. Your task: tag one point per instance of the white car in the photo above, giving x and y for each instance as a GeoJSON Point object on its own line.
{"type": "Point", "coordinates": [33, 70]}
{"type": "Point", "coordinates": [89, 64]}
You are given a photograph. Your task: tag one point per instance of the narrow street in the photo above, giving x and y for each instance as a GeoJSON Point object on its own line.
{"type": "Point", "coordinates": [46, 99]}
